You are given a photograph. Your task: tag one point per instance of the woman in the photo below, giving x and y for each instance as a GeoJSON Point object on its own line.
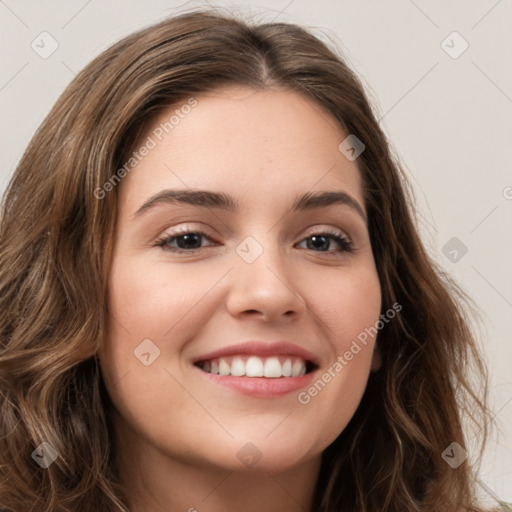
{"type": "Point", "coordinates": [214, 295]}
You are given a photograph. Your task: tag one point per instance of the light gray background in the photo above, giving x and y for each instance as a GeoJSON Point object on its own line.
{"type": "Point", "coordinates": [450, 120]}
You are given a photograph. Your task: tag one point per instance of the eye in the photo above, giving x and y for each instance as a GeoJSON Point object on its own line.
{"type": "Point", "coordinates": [320, 242]}
{"type": "Point", "coordinates": [186, 241]}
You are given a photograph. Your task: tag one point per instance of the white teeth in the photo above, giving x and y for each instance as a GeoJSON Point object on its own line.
{"type": "Point", "coordinates": [298, 368]}
{"type": "Point", "coordinates": [254, 366]}
{"type": "Point", "coordinates": [272, 368]}
{"type": "Point", "coordinates": [287, 368]}
{"type": "Point", "coordinates": [238, 367]}
{"type": "Point", "coordinates": [224, 368]}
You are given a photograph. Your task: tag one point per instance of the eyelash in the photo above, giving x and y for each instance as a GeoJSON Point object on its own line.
{"type": "Point", "coordinates": [345, 243]}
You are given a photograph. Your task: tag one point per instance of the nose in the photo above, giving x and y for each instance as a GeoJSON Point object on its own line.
{"type": "Point", "coordinates": [264, 289]}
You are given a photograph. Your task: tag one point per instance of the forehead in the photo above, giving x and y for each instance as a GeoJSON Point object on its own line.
{"type": "Point", "coordinates": [247, 143]}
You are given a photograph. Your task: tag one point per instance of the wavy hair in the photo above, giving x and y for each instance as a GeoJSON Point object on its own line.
{"type": "Point", "coordinates": [55, 252]}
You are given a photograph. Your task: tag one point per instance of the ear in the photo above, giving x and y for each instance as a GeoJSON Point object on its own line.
{"type": "Point", "coordinates": [376, 359]}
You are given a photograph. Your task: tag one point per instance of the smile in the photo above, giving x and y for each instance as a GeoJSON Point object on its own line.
{"type": "Point", "coordinates": [254, 366]}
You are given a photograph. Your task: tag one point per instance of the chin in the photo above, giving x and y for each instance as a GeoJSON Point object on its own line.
{"type": "Point", "coordinates": [274, 456]}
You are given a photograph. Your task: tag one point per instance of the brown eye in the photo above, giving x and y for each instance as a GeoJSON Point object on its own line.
{"type": "Point", "coordinates": [186, 241]}
{"type": "Point", "coordinates": [321, 242]}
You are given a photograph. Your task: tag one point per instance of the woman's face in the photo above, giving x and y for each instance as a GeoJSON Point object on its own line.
{"type": "Point", "coordinates": [261, 284]}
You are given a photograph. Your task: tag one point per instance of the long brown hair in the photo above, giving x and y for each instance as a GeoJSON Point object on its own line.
{"type": "Point", "coordinates": [55, 245]}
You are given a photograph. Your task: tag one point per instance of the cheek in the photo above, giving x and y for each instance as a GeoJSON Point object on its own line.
{"type": "Point", "coordinates": [151, 309]}
{"type": "Point", "coordinates": [348, 311]}
{"type": "Point", "coordinates": [346, 303]}
{"type": "Point", "coordinates": [151, 300]}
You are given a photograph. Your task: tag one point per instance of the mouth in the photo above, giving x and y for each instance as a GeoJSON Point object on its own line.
{"type": "Point", "coordinates": [251, 366]}
{"type": "Point", "coordinates": [259, 369]}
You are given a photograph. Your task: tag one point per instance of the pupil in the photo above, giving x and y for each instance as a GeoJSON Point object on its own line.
{"type": "Point", "coordinates": [315, 239]}
{"type": "Point", "coordinates": [189, 241]}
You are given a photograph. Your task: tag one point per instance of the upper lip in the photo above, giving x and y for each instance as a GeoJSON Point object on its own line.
{"type": "Point", "coordinates": [261, 349]}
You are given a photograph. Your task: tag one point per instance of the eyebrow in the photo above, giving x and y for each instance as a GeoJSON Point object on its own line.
{"type": "Point", "coordinates": [221, 200]}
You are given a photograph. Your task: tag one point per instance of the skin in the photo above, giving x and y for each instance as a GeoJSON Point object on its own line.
{"type": "Point", "coordinates": [177, 433]}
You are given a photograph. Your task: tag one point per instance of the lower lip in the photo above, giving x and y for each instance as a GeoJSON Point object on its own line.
{"type": "Point", "coordinates": [262, 387]}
